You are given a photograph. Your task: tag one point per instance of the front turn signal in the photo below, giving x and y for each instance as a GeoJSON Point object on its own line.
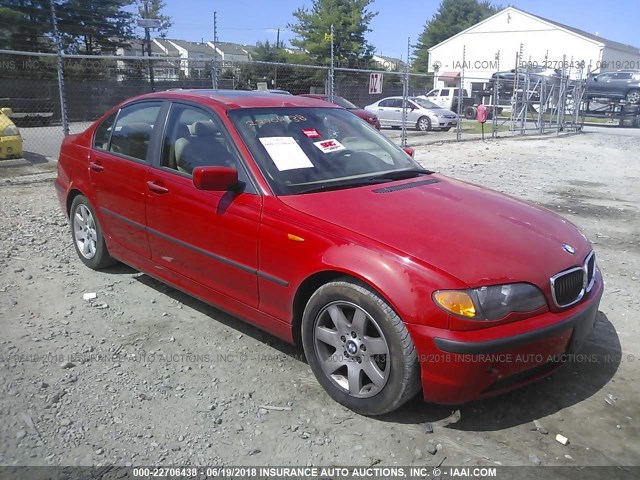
{"type": "Point", "coordinates": [456, 302]}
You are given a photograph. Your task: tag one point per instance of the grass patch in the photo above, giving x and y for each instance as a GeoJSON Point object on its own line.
{"type": "Point", "coordinates": [475, 127]}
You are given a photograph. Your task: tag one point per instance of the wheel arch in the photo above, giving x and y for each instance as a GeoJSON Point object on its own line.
{"type": "Point", "coordinates": [310, 284]}
{"type": "Point", "coordinates": [73, 193]}
{"type": "Point", "coordinates": [404, 287]}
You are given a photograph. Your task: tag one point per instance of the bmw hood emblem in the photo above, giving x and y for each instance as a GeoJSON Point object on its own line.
{"type": "Point", "coordinates": [568, 248]}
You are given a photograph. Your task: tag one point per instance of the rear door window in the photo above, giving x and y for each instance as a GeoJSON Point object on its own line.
{"type": "Point", "coordinates": [133, 130]}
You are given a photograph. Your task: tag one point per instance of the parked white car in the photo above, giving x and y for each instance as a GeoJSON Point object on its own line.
{"type": "Point", "coordinates": [421, 114]}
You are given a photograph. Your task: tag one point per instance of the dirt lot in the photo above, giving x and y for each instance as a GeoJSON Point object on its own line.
{"type": "Point", "coordinates": [145, 375]}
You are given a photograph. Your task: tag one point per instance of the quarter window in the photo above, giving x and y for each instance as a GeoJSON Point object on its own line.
{"type": "Point", "coordinates": [133, 129]}
{"type": "Point", "coordinates": [103, 132]}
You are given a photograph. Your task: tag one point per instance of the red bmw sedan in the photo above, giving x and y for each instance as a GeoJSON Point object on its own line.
{"type": "Point", "coordinates": [299, 218]}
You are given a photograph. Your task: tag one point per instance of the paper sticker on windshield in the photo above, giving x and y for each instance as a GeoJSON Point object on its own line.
{"type": "Point", "coordinates": [286, 153]}
{"type": "Point", "coordinates": [331, 145]}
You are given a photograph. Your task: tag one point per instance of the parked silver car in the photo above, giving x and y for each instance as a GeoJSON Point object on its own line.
{"type": "Point", "coordinates": [421, 113]}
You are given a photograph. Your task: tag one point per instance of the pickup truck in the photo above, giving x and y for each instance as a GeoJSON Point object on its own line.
{"type": "Point", "coordinates": [447, 98]}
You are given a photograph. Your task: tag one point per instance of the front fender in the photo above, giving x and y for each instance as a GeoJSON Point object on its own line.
{"type": "Point", "coordinates": [404, 282]}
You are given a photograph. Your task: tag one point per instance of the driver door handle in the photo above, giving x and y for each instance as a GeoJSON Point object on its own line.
{"type": "Point", "coordinates": [96, 166]}
{"type": "Point", "coordinates": [155, 188]}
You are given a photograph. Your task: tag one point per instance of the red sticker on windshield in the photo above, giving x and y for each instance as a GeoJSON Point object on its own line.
{"type": "Point", "coordinates": [311, 132]}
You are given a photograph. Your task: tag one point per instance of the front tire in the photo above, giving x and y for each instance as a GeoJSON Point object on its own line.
{"type": "Point", "coordinates": [359, 349]}
{"type": "Point", "coordinates": [423, 124]}
{"type": "Point", "coordinates": [87, 235]}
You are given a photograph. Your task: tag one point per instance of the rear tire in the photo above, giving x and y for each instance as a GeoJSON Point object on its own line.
{"type": "Point", "coordinates": [470, 113]}
{"type": "Point", "coordinates": [87, 235]}
{"type": "Point", "coordinates": [633, 96]}
{"type": "Point", "coordinates": [359, 349]}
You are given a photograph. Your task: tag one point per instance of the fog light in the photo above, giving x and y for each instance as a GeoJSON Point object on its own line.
{"type": "Point", "coordinates": [457, 302]}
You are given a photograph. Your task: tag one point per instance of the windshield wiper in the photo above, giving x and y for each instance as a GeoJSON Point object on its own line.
{"type": "Point", "coordinates": [401, 174]}
{"type": "Point", "coordinates": [340, 185]}
{"type": "Point", "coordinates": [359, 182]}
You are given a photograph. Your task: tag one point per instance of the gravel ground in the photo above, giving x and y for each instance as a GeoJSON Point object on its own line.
{"type": "Point", "coordinates": [143, 374]}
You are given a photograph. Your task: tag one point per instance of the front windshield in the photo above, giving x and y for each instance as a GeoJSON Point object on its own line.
{"type": "Point", "coordinates": [305, 149]}
{"type": "Point", "coordinates": [343, 102]}
{"type": "Point", "coordinates": [424, 103]}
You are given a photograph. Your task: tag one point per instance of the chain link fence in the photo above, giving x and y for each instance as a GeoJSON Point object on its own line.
{"type": "Point", "coordinates": [41, 104]}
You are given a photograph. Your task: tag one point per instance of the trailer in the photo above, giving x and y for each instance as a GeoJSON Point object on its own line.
{"type": "Point", "coordinates": [627, 114]}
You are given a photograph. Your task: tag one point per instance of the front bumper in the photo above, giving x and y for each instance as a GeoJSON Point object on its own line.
{"type": "Point", "coordinates": [460, 366]}
{"type": "Point", "coordinates": [10, 147]}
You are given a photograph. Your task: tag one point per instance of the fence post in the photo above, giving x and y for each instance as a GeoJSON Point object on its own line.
{"type": "Point", "coordinates": [332, 91]}
{"type": "Point", "coordinates": [405, 95]}
{"type": "Point", "coordinates": [59, 66]}
{"type": "Point", "coordinates": [460, 110]}
{"type": "Point", "coordinates": [495, 96]}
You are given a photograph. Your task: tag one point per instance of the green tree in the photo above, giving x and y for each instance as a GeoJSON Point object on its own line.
{"type": "Point", "coordinates": [153, 9]}
{"type": "Point", "coordinates": [270, 52]}
{"type": "Point", "coordinates": [26, 25]}
{"type": "Point", "coordinates": [95, 27]}
{"type": "Point", "coordinates": [350, 20]}
{"type": "Point", "coordinates": [452, 17]}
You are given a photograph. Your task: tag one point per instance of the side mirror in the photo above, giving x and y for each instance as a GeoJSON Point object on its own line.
{"type": "Point", "coordinates": [409, 151]}
{"type": "Point", "coordinates": [6, 111]}
{"type": "Point", "coordinates": [217, 179]}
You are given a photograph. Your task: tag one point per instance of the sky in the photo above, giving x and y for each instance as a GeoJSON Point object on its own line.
{"type": "Point", "coordinates": [398, 21]}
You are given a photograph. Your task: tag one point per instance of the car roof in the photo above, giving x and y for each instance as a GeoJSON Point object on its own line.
{"type": "Point", "coordinates": [234, 99]}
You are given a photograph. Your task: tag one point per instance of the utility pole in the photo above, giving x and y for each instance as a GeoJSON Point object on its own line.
{"type": "Point", "coordinates": [214, 65]}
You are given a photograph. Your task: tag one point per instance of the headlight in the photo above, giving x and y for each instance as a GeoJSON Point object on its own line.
{"type": "Point", "coordinates": [9, 131]}
{"type": "Point", "coordinates": [492, 302]}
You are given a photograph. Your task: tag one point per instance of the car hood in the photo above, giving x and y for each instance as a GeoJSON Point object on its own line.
{"type": "Point", "coordinates": [477, 235]}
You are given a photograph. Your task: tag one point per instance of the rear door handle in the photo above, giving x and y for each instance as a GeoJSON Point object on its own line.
{"type": "Point", "coordinates": [96, 166]}
{"type": "Point", "coordinates": [155, 188]}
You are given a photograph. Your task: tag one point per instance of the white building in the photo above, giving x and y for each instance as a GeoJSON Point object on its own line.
{"type": "Point", "coordinates": [495, 43]}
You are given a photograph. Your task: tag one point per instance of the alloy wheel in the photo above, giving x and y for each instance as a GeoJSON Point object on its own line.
{"type": "Point", "coordinates": [352, 349]}
{"type": "Point", "coordinates": [84, 232]}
